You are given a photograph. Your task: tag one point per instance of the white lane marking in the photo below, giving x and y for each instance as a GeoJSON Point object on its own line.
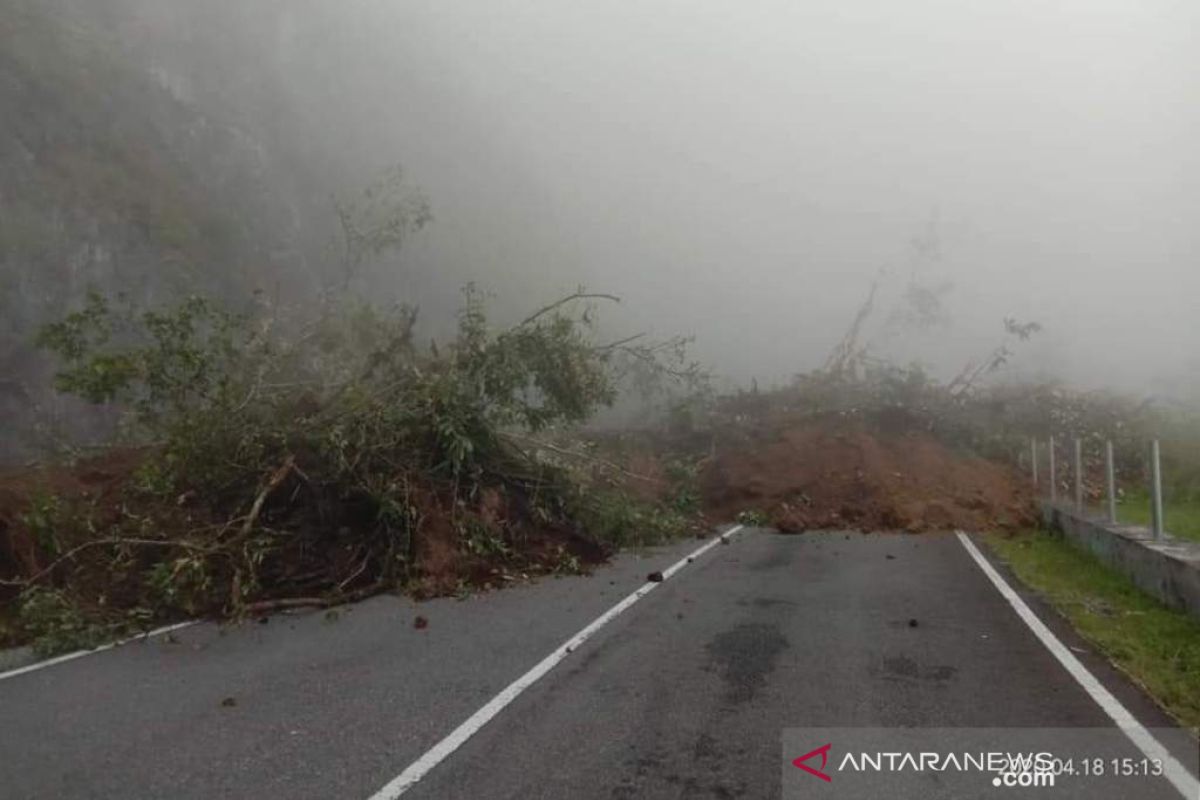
{"type": "Point", "coordinates": [456, 738]}
{"type": "Point", "coordinates": [50, 662]}
{"type": "Point", "coordinates": [1175, 772]}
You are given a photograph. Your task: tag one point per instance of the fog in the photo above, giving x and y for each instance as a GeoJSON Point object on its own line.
{"type": "Point", "coordinates": [744, 171]}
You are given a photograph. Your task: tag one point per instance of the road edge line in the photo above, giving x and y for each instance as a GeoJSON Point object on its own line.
{"type": "Point", "coordinates": [1175, 772]}
{"type": "Point", "coordinates": [459, 736]}
{"type": "Point", "coordinates": [50, 662]}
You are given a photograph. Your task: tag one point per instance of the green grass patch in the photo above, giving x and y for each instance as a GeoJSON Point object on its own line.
{"type": "Point", "coordinates": [1182, 517]}
{"type": "Point", "coordinates": [622, 521]}
{"type": "Point", "coordinates": [1158, 647]}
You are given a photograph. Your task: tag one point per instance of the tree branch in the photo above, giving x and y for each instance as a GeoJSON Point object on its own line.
{"type": "Point", "coordinates": [562, 302]}
{"type": "Point", "coordinates": [619, 343]}
{"type": "Point", "coordinates": [289, 464]}
{"type": "Point", "coordinates": [108, 541]}
{"type": "Point", "coordinates": [574, 454]}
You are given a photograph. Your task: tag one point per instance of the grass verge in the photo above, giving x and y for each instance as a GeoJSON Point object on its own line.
{"type": "Point", "coordinates": [1158, 647]}
{"type": "Point", "coordinates": [1182, 517]}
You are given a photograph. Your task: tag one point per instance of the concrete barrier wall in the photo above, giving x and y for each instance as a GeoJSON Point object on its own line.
{"type": "Point", "coordinates": [1168, 570]}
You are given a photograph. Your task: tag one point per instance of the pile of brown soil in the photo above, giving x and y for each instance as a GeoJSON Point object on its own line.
{"type": "Point", "coordinates": [831, 474]}
{"type": "Point", "coordinates": [96, 496]}
{"type": "Point", "coordinates": [97, 481]}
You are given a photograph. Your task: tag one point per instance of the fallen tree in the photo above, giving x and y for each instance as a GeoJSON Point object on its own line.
{"type": "Point", "coordinates": [283, 462]}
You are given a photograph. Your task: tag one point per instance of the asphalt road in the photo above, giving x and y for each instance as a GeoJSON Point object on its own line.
{"type": "Point", "coordinates": [684, 695]}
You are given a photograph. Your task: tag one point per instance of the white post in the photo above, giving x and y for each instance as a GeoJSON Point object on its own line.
{"type": "Point", "coordinates": [1111, 479]}
{"type": "Point", "coordinates": [1033, 460]}
{"type": "Point", "coordinates": [1156, 504]}
{"type": "Point", "coordinates": [1053, 476]}
{"type": "Point", "coordinates": [1078, 475]}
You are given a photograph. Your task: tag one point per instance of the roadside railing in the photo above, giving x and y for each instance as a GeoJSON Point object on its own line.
{"type": "Point", "coordinates": [1155, 490]}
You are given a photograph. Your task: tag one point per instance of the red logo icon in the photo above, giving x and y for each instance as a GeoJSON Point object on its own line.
{"type": "Point", "coordinates": [823, 752]}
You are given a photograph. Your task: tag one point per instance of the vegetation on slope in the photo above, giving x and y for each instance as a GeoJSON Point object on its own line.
{"type": "Point", "coordinates": [111, 177]}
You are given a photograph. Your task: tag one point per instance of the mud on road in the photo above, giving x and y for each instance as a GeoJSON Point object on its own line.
{"type": "Point", "coordinates": [811, 475]}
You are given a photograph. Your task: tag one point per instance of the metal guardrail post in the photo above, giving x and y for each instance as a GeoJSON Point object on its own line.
{"type": "Point", "coordinates": [1110, 474]}
{"type": "Point", "coordinates": [1053, 475]}
{"type": "Point", "coordinates": [1033, 460]}
{"type": "Point", "coordinates": [1156, 504]}
{"type": "Point", "coordinates": [1078, 465]}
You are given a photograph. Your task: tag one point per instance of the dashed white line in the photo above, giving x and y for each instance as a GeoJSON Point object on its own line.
{"type": "Point", "coordinates": [50, 662]}
{"type": "Point", "coordinates": [1175, 772]}
{"type": "Point", "coordinates": [455, 739]}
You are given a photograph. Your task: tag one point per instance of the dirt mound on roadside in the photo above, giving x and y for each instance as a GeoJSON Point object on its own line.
{"type": "Point", "coordinates": [96, 481]}
{"type": "Point", "coordinates": [810, 475]}
{"type": "Point", "coordinates": [456, 545]}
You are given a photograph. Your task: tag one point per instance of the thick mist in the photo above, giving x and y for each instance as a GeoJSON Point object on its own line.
{"type": "Point", "coordinates": [744, 172]}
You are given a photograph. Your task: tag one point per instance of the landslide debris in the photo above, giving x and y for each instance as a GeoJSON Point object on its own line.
{"type": "Point", "coordinates": [831, 473]}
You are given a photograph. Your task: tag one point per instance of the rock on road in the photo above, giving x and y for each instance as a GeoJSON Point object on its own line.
{"type": "Point", "coordinates": [684, 695]}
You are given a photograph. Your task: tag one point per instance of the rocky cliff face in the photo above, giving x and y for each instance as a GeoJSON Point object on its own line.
{"type": "Point", "coordinates": [145, 147]}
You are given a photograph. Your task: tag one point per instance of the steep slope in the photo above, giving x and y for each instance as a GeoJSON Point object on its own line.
{"type": "Point", "coordinates": [119, 173]}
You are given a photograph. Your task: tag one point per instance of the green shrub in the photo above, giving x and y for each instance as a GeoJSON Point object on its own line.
{"type": "Point", "coordinates": [620, 521]}
{"type": "Point", "coordinates": [56, 624]}
{"type": "Point", "coordinates": [753, 519]}
{"type": "Point", "coordinates": [292, 455]}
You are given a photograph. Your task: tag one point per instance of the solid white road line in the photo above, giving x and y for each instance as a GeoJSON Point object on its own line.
{"type": "Point", "coordinates": [1175, 772]}
{"type": "Point", "coordinates": [440, 751]}
{"type": "Point", "coordinates": [50, 662]}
